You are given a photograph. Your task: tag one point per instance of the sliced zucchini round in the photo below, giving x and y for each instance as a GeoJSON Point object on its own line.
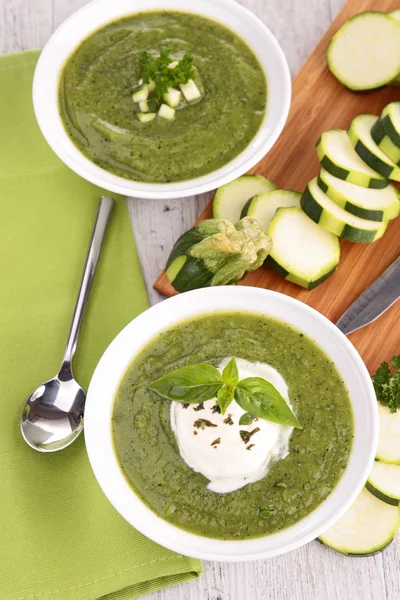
{"type": "Point", "coordinates": [384, 482]}
{"type": "Point", "coordinates": [389, 436]}
{"type": "Point", "coordinates": [324, 211]}
{"type": "Point", "coordinates": [366, 528]}
{"type": "Point", "coordinates": [386, 132]}
{"type": "Point", "coordinates": [230, 199]}
{"type": "Point", "coordinates": [302, 252]}
{"type": "Point", "coordinates": [365, 53]}
{"type": "Point", "coordinates": [374, 205]}
{"type": "Point", "coordinates": [395, 14]}
{"type": "Point", "coordinates": [337, 155]}
{"type": "Point", "coordinates": [360, 136]}
{"type": "Point", "coordinates": [264, 206]}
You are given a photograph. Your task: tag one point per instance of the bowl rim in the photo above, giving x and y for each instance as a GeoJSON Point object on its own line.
{"type": "Point", "coordinates": [98, 428]}
{"type": "Point", "coordinates": [50, 123]}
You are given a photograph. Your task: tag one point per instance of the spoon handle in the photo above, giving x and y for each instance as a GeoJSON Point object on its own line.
{"type": "Point", "coordinates": [103, 215]}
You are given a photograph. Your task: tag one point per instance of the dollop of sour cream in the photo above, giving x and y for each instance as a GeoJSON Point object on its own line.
{"type": "Point", "coordinates": [219, 452]}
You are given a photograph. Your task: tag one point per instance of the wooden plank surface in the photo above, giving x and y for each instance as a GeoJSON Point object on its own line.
{"type": "Point", "coordinates": [311, 572]}
{"type": "Point", "coordinates": [320, 103]}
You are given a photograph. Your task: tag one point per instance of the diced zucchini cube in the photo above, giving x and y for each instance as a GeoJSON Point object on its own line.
{"type": "Point", "coordinates": [146, 117]}
{"type": "Point", "coordinates": [166, 112]}
{"type": "Point", "coordinates": [144, 106]}
{"type": "Point", "coordinates": [173, 64]}
{"type": "Point", "coordinates": [140, 93]}
{"type": "Point", "coordinates": [151, 86]}
{"type": "Point", "coordinates": [172, 97]}
{"type": "Point", "coordinates": [190, 91]}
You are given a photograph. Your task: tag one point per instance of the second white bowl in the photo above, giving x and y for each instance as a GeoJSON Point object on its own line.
{"type": "Point", "coordinates": [97, 14]}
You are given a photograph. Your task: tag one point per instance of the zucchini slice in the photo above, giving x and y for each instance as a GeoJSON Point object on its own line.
{"type": "Point", "coordinates": [166, 112]}
{"type": "Point", "coordinates": [386, 132]}
{"type": "Point", "coordinates": [146, 117]}
{"type": "Point", "coordinates": [264, 206]}
{"type": "Point", "coordinates": [324, 211]}
{"type": "Point", "coordinates": [389, 436]}
{"type": "Point", "coordinates": [173, 96]}
{"type": "Point", "coordinates": [302, 252]}
{"type": "Point", "coordinates": [190, 90]}
{"type": "Point", "coordinates": [365, 53]}
{"type": "Point", "coordinates": [375, 205]}
{"type": "Point", "coordinates": [144, 106]}
{"type": "Point", "coordinates": [140, 93]}
{"type": "Point", "coordinates": [230, 199]}
{"type": "Point", "coordinates": [360, 136]}
{"type": "Point", "coordinates": [366, 528]}
{"type": "Point", "coordinates": [395, 14]}
{"type": "Point", "coordinates": [384, 482]}
{"type": "Point", "coordinates": [337, 155]}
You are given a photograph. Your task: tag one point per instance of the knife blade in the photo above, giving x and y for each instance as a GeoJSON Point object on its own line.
{"type": "Point", "coordinates": [373, 302]}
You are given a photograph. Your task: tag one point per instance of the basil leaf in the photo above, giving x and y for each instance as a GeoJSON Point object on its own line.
{"type": "Point", "coordinates": [225, 397]}
{"type": "Point", "coordinates": [266, 510]}
{"type": "Point", "coordinates": [247, 419]}
{"type": "Point", "coordinates": [193, 384]}
{"type": "Point", "coordinates": [262, 399]}
{"type": "Point", "coordinates": [230, 374]}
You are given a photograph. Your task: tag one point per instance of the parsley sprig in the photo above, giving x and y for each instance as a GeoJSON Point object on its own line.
{"type": "Point", "coordinates": [387, 384]}
{"type": "Point", "coordinates": [156, 69]}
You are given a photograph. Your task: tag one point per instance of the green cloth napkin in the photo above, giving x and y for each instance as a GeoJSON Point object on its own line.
{"type": "Point", "coordinates": [60, 539]}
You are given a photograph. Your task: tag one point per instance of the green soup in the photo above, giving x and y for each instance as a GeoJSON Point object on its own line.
{"type": "Point", "coordinates": [95, 98]}
{"type": "Point", "coordinates": [293, 487]}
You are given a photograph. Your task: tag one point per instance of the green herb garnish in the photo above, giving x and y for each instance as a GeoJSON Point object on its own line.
{"type": "Point", "coordinates": [387, 384]}
{"type": "Point", "coordinates": [247, 419]}
{"type": "Point", "coordinates": [225, 397]}
{"type": "Point", "coordinates": [228, 420]}
{"type": "Point", "coordinates": [203, 423]}
{"type": "Point", "coordinates": [197, 383]}
{"type": "Point", "coordinates": [216, 409]}
{"type": "Point", "coordinates": [215, 442]}
{"type": "Point", "coordinates": [157, 69]}
{"type": "Point", "coordinates": [199, 407]}
{"type": "Point", "coordinates": [230, 374]}
{"type": "Point", "coordinates": [266, 509]}
{"type": "Point", "coordinates": [246, 435]}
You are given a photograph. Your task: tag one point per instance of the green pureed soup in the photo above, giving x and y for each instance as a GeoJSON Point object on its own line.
{"type": "Point", "coordinates": [293, 487]}
{"type": "Point", "coordinates": [96, 106]}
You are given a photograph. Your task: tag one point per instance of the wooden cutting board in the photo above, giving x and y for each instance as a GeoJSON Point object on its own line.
{"type": "Point", "coordinates": [320, 103]}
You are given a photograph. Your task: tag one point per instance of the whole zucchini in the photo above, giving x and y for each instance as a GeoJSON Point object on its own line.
{"type": "Point", "coordinates": [216, 252]}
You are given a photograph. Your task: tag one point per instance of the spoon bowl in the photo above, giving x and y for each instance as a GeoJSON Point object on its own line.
{"type": "Point", "coordinates": [53, 414]}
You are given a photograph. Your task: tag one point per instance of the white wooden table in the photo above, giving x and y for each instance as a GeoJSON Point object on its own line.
{"type": "Point", "coordinates": [313, 572]}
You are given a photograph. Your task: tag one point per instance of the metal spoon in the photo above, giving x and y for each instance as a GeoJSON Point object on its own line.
{"type": "Point", "coordinates": [53, 415]}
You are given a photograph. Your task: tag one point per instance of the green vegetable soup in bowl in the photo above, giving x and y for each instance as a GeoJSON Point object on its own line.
{"type": "Point", "coordinates": [156, 99]}
{"type": "Point", "coordinates": [231, 423]}
{"type": "Point", "coordinates": [200, 132]}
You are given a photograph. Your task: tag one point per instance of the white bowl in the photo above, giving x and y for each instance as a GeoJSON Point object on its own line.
{"type": "Point", "coordinates": [128, 344]}
{"type": "Point", "coordinates": [95, 15]}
